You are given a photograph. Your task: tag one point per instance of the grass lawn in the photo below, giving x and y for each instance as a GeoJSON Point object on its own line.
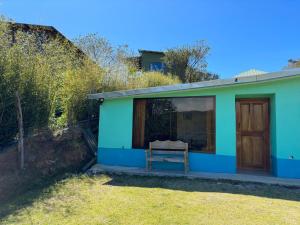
{"type": "Point", "coordinates": [116, 199]}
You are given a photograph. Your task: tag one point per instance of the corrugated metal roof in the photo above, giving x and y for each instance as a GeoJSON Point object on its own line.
{"type": "Point", "coordinates": [251, 72]}
{"type": "Point", "coordinates": [197, 85]}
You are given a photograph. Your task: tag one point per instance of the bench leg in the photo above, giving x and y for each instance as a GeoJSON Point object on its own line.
{"type": "Point", "coordinates": [187, 168]}
{"type": "Point", "coordinates": [150, 161]}
{"type": "Point", "coordinates": [186, 163]}
{"type": "Point", "coordinates": [146, 160]}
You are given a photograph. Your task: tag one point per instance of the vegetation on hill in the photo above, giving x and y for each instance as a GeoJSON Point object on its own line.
{"type": "Point", "coordinates": [189, 62]}
{"type": "Point", "coordinates": [53, 80]}
{"type": "Point", "coordinates": [36, 71]}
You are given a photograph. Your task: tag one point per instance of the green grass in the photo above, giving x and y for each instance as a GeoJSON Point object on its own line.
{"type": "Point", "coordinates": [116, 199]}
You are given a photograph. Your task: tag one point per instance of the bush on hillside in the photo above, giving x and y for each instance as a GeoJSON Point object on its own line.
{"type": "Point", "coordinates": [35, 70]}
{"type": "Point", "coordinates": [152, 79]}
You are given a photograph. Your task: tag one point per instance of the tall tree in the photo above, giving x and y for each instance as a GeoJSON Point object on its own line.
{"type": "Point", "coordinates": [112, 59]}
{"type": "Point", "coordinates": [36, 71]}
{"type": "Point", "coordinates": [189, 62]}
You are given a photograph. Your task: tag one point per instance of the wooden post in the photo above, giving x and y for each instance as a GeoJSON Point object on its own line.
{"type": "Point", "coordinates": [21, 131]}
{"type": "Point", "coordinates": [89, 112]}
{"type": "Point", "coordinates": [150, 160]}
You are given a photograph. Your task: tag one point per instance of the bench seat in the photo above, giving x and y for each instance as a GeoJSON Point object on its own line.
{"type": "Point", "coordinates": [167, 151]}
{"type": "Point", "coordinates": [166, 159]}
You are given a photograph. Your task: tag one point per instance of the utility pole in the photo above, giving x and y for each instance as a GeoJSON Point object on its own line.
{"type": "Point", "coordinates": [21, 131]}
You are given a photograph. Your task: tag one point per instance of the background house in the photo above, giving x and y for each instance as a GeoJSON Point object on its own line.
{"type": "Point", "coordinates": [150, 61]}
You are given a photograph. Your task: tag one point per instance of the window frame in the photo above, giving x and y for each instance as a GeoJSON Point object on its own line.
{"type": "Point", "coordinates": [194, 150]}
{"type": "Point", "coordinates": [162, 64]}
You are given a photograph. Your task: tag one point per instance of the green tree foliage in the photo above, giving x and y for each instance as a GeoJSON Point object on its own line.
{"type": "Point", "coordinates": [77, 83]}
{"type": "Point", "coordinates": [113, 60]}
{"type": "Point", "coordinates": [108, 70]}
{"type": "Point", "coordinates": [36, 71]}
{"type": "Point", "coordinates": [189, 62]}
{"type": "Point", "coordinates": [53, 80]}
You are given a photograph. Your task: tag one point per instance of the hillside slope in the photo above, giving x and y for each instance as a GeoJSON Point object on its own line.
{"type": "Point", "coordinates": [46, 155]}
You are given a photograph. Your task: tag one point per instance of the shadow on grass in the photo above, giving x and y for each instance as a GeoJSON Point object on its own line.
{"type": "Point", "coordinates": [203, 185]}
{"type": "Point", "coordinates": [43, 188]}
{"type": "Point", "coordinates": [38, 189]}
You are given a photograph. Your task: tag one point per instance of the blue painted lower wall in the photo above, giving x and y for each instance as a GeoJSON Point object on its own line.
{"type": "Point", "coordinates": [288, 168]}
{"type": "Point", "coordinates": [122, 157]}
{"type": "Point", "coordinates": [197, 161]}
{"type": "Point", "coordinates": [212, 163]}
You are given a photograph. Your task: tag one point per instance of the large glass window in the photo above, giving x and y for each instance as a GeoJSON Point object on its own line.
{"type": "Point", "coordinates": [189, 119]}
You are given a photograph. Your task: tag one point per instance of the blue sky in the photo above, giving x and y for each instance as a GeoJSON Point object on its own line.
{"type": "Point", "coordinates": [242, 34]}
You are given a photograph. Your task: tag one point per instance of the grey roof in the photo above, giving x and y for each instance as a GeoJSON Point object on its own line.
{"type": "Point", "coordinates": [197, 85]}
{"type": "Point", "coordinates": [151, 51]}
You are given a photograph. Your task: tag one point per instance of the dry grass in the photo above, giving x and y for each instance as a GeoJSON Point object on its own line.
{"type": "Point", "coordinates": [143, 200]}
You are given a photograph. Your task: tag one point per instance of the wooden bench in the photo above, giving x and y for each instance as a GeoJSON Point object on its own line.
{"type": "Point", "coordinates": [167, 151]}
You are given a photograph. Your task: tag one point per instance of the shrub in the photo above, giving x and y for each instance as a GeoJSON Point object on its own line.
{"type": "Point", "coordinates": [151, 79]}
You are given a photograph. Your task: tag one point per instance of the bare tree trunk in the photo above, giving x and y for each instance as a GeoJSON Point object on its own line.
{"type": "Point", "coordinates": [21, 131]}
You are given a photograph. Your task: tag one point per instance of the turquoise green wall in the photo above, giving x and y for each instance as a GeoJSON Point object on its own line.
{"type": "Point", "coordinates": [116, 116]}
{"type": "Point", "coordinates": [288, 120]}
{"type": "Point", "coordinates": [115, 128]}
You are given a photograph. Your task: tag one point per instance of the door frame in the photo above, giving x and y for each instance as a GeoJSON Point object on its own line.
{"type": "Point", "coordinates": [267, 153]}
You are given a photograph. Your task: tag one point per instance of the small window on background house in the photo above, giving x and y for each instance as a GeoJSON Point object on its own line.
{"type": "Point", "coordinates": [157, 66]}
{"type": "Point", "coordinates": [189, 119]}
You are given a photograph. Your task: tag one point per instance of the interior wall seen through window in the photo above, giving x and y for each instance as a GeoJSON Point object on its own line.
{"type": "Point", "coordinates": [189, 119]}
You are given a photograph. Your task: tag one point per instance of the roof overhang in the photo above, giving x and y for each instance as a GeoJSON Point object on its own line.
{"type": "Point", "coordinates": [150, 51]}
{"type": "Point", "coordinates": [198, 85]}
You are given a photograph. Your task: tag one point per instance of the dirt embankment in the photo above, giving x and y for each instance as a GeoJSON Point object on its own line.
{"type": "Point", "coordinates": [46, 155]}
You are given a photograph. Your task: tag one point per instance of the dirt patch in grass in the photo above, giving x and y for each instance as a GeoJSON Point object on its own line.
{"type": "Point", "coordinates": [46, 155]}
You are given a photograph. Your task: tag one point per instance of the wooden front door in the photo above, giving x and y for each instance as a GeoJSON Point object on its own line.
{"type": "Point", "coordinates": [252, 126]}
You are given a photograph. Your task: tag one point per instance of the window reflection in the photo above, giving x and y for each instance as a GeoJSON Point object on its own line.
{"type": "Point", "coordinates": [189, 119]}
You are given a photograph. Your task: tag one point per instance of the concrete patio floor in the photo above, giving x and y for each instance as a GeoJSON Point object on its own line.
{"type": "Point", "coordinates": [194, 175]}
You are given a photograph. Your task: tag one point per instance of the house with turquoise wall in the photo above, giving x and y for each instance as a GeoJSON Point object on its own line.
{"type": "Point", "coordinates": [243, 124]}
